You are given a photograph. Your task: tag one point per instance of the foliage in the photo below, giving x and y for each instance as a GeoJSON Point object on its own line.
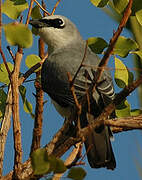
{"type": "Point", "coordinates": [18, 34]}
{"type": "Point", "coordinates": [76, 173]}
{"type": "Point", "coordinates": [31, 60]}
{"type": "Point", "coordinates": [44, 164]}
{"type": "Point", "coordinates": [14, 8]}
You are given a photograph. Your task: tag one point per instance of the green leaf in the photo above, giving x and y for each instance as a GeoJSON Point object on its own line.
{"type": "Point", "coordinates": [123, 109]}
{"type": "Point", "coordinates": [31, 60]}
{"type": "Point", "coordinates": [27, 105]}
{"type": "Point", "coordinates": [124, 46]}
{"type": "Point", "coordinates": [40, 163]}
{"type": "Point", "coordinates": [139, 16]}
{"type": "Point", "coordinates": [136, 112]}
{"type": "Point", "coordinates": [97, 44]}
{"type": "Point", "coordinates": [4, 78]}
{"type": "Point", "coordinates": [18, 34]}
{"type": "Point", "coordinates": [44, 164]}
{"type": "Point", "coordinates": [137, 5]}
{"type": "Point", "coordinates": [120, 5]}
{"type": "Point", "coordinates": [77, 173]}
{"type": "Point", "coordinates": [60, 167]}
{"type": "Point", "coordinates": [122, 76]}
{"type": "Point", "coordinates": [35, 14]}
{"type": "Point", "coordinates": [139, 53]}
{"type": "Point", "coordinates": [14, 8]}
{"type": "Point", "coordinates": [19, 2]}
{"type": "Point", "coordinates": [99, 3]}
{"type": "Point", "coordinates": [3, 97]}
{"type": "Point", "coordinates": [56, 165]}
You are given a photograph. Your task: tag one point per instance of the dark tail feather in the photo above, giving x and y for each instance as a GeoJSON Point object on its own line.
{"type": "Point", "coordinates": [99, 149]}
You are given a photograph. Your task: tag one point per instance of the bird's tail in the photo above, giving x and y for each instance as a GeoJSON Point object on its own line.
{"type": "Point", "coordinates": [99, 149]}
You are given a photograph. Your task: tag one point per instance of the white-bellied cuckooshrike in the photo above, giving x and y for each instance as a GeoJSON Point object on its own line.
{"type": "Point", "coordinates": [66, 50]}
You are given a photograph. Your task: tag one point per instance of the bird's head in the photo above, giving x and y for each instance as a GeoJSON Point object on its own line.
{"type": "Point", "coordinates": [56, 31]}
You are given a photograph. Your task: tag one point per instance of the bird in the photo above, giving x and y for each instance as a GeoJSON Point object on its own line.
{"type": "Point", "coordinates": [66, 49]}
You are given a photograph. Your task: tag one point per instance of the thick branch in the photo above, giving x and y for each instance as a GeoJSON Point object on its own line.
{"type": "Point", "coordinates": [5, 125]}
{"type": "Point", "coordinates": [15, 113]}
{"type": "Point", "coordinates": [37, 131]}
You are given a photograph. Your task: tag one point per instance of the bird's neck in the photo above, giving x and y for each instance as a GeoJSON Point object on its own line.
{"type": "Point", "coordinates": [63, 45]}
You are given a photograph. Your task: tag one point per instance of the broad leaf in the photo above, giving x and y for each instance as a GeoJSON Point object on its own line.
{"type": "Point", "coordinates": [27, 105]}
{"type": "Point", "coordinates": [31, 60]}
{"type": "Point", "coordinates": [49, 163]}
{"type": "Point", "coordinates": [14, 8]}
{"type": "Point", "coordinates": [99, 3]}
{"type": "Point", "coordinates": [35, 14]}
{"type": "Point", "coordinates": [18, 34]}
{"type": "Point", "coordinates": [124, 46]}
{"type": "Point", "coordinates": [3, 97]}
{"type": "Point", "coordinates": [137, 5]}
{"type": "Point", "coordinates": [139, 16]}
{"type": "Point", "coordinates": [77, 173]}
{"type": "Point", "coordinates": [136, 112]}
{"type": "Point", "coordinates": [120, 5]}
{"type": "Point", "coordinates": [40, 163]}
{"type": "Point", "coordinates": [56, 165]}
{"type": "Point", "coordinates": [123, 109]}
{"type": "Point", "coordinates": [4, 78]}
{"type": "Point", "coordinates": [122, 76]}
{"type": "Point", "coordinates": [97, 44]}
{"type": "Point", "coordinates": [139, 53]}
{"type": "Point", "coordinates": [60, 167]}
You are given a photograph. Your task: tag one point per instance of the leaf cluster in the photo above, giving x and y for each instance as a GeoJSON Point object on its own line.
{"type": "Point", "coordinates": [18, 34]}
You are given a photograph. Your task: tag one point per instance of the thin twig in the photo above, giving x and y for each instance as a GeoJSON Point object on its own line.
{"type": "Point", "coordinates": [11, 53]}
{"type": "Point", "coordinates": [70, 159]}
{"type": "Point", "coordinates": [29, 12]}
{"type": "Point", "coordinates": [94, 123]}
{"type": "Point", "coordinates": [57, 3]}
{"type": "Point", "coordinates": [74, 94]}
{"type": "Point", "coordinates": [83, 59]}
{"type": "Point", "coordinates": [42, 7]}
{"type": "Point", "coordinates": [31, 70]}
{"type": "Point", "coordinates": [112, 43]}
{"type": "Point", "coordinates": [4, 61]}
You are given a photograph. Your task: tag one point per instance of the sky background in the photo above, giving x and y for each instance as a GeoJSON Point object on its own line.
{"type": "Point", "coordinates": [90, 21]}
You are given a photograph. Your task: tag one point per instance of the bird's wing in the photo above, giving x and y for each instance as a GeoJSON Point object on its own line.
{"type": "Point", "coordinates": [57, 86]}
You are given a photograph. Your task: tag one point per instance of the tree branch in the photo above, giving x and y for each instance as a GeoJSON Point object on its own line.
{"type": "Point", "coordinates": [57, 3]}
{"type": "Point", "coordinates": [5, 126]}
{"type": "Point", "coordinates": [112, 43]}
{"type": "Point", "coordinates": [15, 113]}
{"type": "Point", "coordinates": [29, 12]}
{"type": "Point", "coordinates": [37, 131]}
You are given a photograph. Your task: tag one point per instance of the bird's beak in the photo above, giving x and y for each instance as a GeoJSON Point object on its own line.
{"type": "Point", "coordinates": [36, 23]}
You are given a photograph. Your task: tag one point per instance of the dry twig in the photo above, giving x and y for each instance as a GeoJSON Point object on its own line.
{"type": "Point", "coordinates": [44, 10]}
{"type": "Point", "coordinates": [112, 43]}
{"type": "Point", "coordinates": [57, 3]}
{"type": "Point", "coordinates": [29, 12]}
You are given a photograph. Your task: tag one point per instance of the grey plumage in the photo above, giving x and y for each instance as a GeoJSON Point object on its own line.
{"type": "Point", "coordinates": [66, 50]}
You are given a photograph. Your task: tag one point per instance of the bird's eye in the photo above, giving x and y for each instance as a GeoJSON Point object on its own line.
{"type": "Point", "coordinates": [57, 23]}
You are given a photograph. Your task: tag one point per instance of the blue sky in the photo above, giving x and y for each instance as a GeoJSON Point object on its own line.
{"type": "Point", "coordinates": [90, 21]}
